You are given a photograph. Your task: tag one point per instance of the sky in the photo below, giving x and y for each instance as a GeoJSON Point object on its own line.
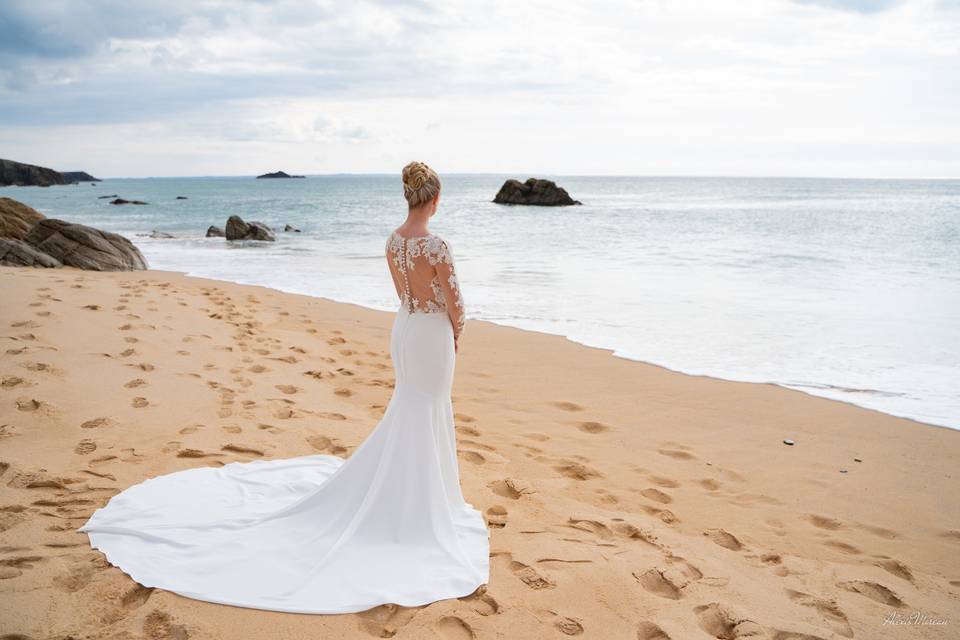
{"type": "Point", "coordinates": [844, 88]}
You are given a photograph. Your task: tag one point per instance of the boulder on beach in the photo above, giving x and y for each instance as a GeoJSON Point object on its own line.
{"type": "Point", "coordinates": [13, 173]}
{"type": "Point", "coordinates": [238, 229]}
{"type": "Point", "coordinates": [278, 174]}
{"type": "Point", "coordinates": [17, 253]}
{"type": "Point", "coordinates": [78, 176]}
{"type": "Point", "coordinates": [122, 201]}
{"type": "Point", "coordinates": [83, 247]}
{"type": "Point", "coordinates": [214, 231]}
{"type": "Point", "coordinates": [535, 191]}
{"type": "Point", "coordinates": [16, 218]}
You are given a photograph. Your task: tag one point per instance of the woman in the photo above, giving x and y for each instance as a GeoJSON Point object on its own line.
{"type": "Point", "coordinates": [317, 533]}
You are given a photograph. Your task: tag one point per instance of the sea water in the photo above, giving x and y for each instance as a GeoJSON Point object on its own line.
{"type": "Point", "coordinates": [848, 289]}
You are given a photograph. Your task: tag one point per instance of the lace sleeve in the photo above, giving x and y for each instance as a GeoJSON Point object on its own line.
{"type": "Point", "coordinates": [447, 275]}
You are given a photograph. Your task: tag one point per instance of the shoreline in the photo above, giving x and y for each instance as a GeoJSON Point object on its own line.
{"type": "Point", "coordinates": [612, 351]}
{"type": "Point", "coordinates": [622, 498]}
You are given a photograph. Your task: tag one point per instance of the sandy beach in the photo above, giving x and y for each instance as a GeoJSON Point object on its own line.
{"type": "Point", "coordinates": [625, 500]}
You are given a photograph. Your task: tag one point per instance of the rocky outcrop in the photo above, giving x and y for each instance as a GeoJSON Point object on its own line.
{"type": "Point", "coordinates": [534, 191]}
{"type": "Point", "coordinates": [214, 231]}
{"type": "Point", "coordinates": [14, 173]}
{"type": "Point", "coordinates": [17, 253]}
{"type": "Point", "coordinates": [78, 176]}
{"type": "Point", "coordinates": [237, 229]}
{"type": "Point", "coordinates": [83, 247]}
{"type": "Point", "coordinates": [278, 174]}
{"type": "Point", "coordinates": [122, 201]}
{"type": "Point", "coordinates": [16, 218]}
{"type": "Point", "coordinates": [181, 198]}
{"type": "Point", "coordinates": [290, 227]}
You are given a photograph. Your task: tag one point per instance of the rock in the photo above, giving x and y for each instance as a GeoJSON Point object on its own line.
{"type": "Point", "coordinates": [237, 229]}
{"type": "Point", "coordinates": [77, 245]}
{"type": "Point", "coordinates": [290, 227]}
{"type": "Point", "coordinates": [157, 234]}
{"type": "Point", "coordinates": [534, 191]}
{"type": "Point", "coordinates": [17, 253]}
{"type": "Point", "coordinates": [122, 201]}
{"type": "Point", "coordinates": [278, 174]}
{"type": "Point", "coordinates": [16, 218]}
{"type": "Point", "coordinates": [78, 176]}
{"type": "Point", "coordinates": [181, 197]}
{"type": "Point", "coordinates": [105, 197]}
{"type": "Point", "coordinates": [214, 232]}
{"type": "Point", "coordinates": [25, 175]}
{"type": "Point", "coordinates": [789, 442]}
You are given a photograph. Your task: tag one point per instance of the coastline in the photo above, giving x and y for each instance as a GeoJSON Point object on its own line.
{"type": "Point", "coordinates": [621, 494]}
{"type": "Point", "coordinates": [805, 389]}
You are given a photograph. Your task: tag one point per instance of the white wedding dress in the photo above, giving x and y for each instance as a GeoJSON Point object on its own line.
{"type": "Point", "coordinates": [319, 533]}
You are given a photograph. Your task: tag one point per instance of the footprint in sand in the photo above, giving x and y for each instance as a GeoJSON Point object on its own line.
{"type": "Point", "coordinates": [897, 568]}
{"type": "Point", "coordinates": [569, 626]}
{"type": "Point", "coordinates": [529, 576]}
{"type": "Point", "coordinates": [97, 423]}
{"type": "Point", "coordinates": [455, 628]}
{"type": "Point", "coordinates": [136, 382]}
{"type": "Point", "coordinates": [724, 539]}
{"type": "Point", "coordinates": [497, 516]}
{"type": "Point", "coordinates": [874, 591]}
{"type": "Point", "coordinates": [289, 389]}
{"type": "Point", "coordinates": [831, 613]}
{"type": "Point", "coordinates": [236, 448]}
{"type": "Point", "coordinates": [720, 622]}
{"type": "Point", "coordinates": [577, 471]}
{"type": "Point", "coordinates": [159, 625]}
{"type": "Point", "coordinates": [656, 495]}
{"type": "Point", "coordinates": [482, 602]}
{"type": "Point", "coordinates": [472, 456]}
{"type": "Point", "coordinates": [592, 427]}
{"type": "Point", "coordinates": [658, 584]}
{"type": "Point", "coordinates": [674, 453]}
{"type": "Point", "coordinates": [343, 392]}
{"type": "Point", "coordinates": [843, 547]}
{"type": "Point", "coordinates": [567, 406]}
{"type": "Point", "coordinates": [513, 488]}
{"type": "Point", "coordinates": [140, 402]}
{"type": "Point", "coordinates": [823, 522]}
{"type": "Point", "coordinates": [85, 446]}
{"type": "Point", "coordinates": [386, 620]}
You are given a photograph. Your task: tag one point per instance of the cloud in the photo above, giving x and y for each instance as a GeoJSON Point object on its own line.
{"type": "Point", "coordinates": [575, 87]}
{"type": "Point", "coordinates": [858, 6]}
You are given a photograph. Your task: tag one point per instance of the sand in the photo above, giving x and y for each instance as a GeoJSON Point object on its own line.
{"type": "Point", "coordinates": [625, 500]}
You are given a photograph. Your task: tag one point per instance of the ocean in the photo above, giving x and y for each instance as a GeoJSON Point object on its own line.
{"type": "Point", "coordinates": [843, 288]}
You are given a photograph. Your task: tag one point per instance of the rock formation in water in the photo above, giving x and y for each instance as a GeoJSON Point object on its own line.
{"type": "Point", "coordinates": [78, 176]}
{"type": "Point", "coordinates": [214, 231]}
{"type": "Point", "coordinates": [16, 218]}
{"type": "Point", "coordinates": [534, 191]}
{"type": "Point", "coordinates": [83, 247]}
{"type": "Point", "coordinates": [237, 229]}
{"type": "Point", "coordinates": [122, 201]}
{"type": "Point", "coordinates": [290, 227]}
{"type": "Point", "coordinates": [14, 173]}
{"type": "Point", "coordinates": [278, 174]}
{"type": "Point", "coordinates": [27, 238]}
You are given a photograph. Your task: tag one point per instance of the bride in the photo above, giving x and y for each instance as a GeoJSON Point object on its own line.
{"type": "Point", "coordinates": [319, 533]}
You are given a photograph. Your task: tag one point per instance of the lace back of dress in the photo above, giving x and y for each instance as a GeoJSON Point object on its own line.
{"type": "Point", "coordinates": [423, 271]}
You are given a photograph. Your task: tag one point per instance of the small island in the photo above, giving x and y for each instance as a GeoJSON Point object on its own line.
{"type": "Point", "coordinates": [278, 174]}
{"type": "Point", "coordinates": [535, 191]}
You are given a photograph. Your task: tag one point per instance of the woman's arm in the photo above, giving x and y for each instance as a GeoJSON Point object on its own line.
{"type": "Point", "coordinates": [447, 275]}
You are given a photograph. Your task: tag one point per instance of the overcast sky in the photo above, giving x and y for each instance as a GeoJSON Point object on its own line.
{"type": "Point", "coordinates": [662, 87]}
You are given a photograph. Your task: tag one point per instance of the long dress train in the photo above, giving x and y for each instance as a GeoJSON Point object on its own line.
{"type": "Point", "coordinates": [318, 533]}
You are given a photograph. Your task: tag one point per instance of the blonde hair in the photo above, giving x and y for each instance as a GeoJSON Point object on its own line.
{"type": "Point", "coordinates": [420, 183]}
